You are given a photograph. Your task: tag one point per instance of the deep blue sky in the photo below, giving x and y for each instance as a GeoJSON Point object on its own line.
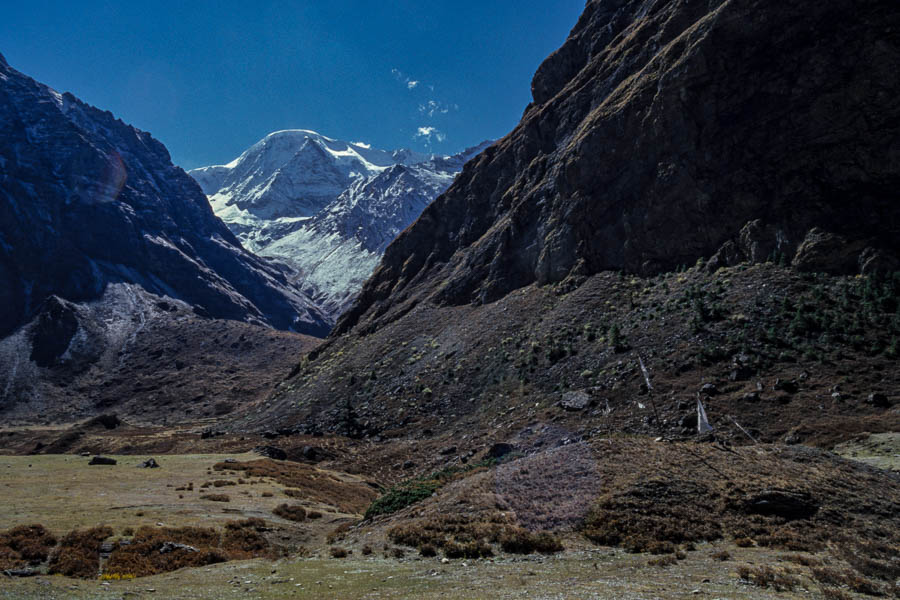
{"type": "Point", "coordinates": [210, 78]}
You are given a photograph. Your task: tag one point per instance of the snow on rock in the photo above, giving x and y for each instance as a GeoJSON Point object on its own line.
{"type": "Point", "coordinates": [326, 207]}
{"type": "Point", "coordinates": [87, 201]}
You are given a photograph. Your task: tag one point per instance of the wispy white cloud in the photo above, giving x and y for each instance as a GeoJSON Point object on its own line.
{"type": "Point", "coordinates": [435, 107]}
{"type": "Point", "coordinates": [430, 133]}
{"type": "Point", "coordinates": [402, 77]}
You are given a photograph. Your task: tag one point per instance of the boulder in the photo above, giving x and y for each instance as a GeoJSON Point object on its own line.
{"type": "Point", "coordinates": [576, 401]}
{"type": "Point", "coordinates": [105, 421]}
{"type": "Point", "coordinates": [709, 389]}
{"type": "Point", "coordinates": [824, 252]}
{"type": "Point", "coordinates": [499, 450]}
{"type": "Point", "coordinates": [150, 463]}
{"type": "Point", "coordinates": [26, 572]}
{"type": "Point", "coordinates": [791, 387]}
{"type": "Point", "coordinates": [271, 452]}
{"type": "Point", "coordinates": [172, 547]}
{"type": "Point", "coordinates": [782, 503]}
{"type": "Point", "coordinates": [879, 400]}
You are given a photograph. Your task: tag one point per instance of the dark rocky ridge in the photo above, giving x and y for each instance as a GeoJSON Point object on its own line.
{"type": "Point", "coordinates": [664, 132]}
{"type": "Point", "coordinates": [87, 201]}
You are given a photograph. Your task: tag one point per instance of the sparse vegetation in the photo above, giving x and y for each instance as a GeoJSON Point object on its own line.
{"type": "Point", "coordinates": [216, 497]}
{"type": "Point", "coordinates": [765, 576]}
{"type": "Point", "coordinates": [459, 537]}
{"type": "Point", "coordinates": [290, 512]}
{"type": "Point", "coordinates": [409, 492]}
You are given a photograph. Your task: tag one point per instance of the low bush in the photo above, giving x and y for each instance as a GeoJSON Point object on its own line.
{"type": "Point", "coordinates": [459, 537]}
{"type": "Point", "coordinates": [290, 512]}
{"type": "Point", "coordinates": [78, 554]}
{"type": "Point", "coordinates": [663, 561]}
{"type": "Point", "coordinates": [765, 576]}
{"type": "Point", "coordinates": [216, 497]}
{"type": "Point", "coordinates": [338, 552]}
{"type": "Point", "coordinates": [26, 544]}
{"type": "Point", "coordinates": [160, 550]}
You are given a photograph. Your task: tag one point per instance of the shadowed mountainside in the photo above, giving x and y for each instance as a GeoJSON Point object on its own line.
{"type": "Point", "coordinates": [86, 200]}
{"type": "Point", "coordinates": [662, 132]}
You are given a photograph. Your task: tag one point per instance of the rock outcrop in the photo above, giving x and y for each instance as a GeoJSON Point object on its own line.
{"type": "Point", "coordinates": [87, 201]}
{"type": "Point", "coordinates": [665, 132]}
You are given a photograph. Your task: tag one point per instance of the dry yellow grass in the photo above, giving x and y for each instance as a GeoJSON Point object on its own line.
{"type": "Point", "coordinates": [63, 493]}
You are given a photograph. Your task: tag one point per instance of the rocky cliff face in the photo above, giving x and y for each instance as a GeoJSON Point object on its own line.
{"type": "Point", "coordinates": [326, 207]}
{"type": "Point", "coordinates": [665, 132]}
{"type": "Point", "coordinates": [87, 201]}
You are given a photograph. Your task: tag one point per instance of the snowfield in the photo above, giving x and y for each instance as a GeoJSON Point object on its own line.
{"type": "Point", "coordinates": [328, 208]}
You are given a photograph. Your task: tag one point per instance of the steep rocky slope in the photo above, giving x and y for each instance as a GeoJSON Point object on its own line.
{"type": "Point", "coordinates": [662, 132]}
{"type": "Point", "coordinates": [328, 208]}
{"type": "Point", "coordinates": [148, 359]}
{"type": "Point", "coordinates": [112, 269]}
{"type": "Point", "coordinates": [86, 201]}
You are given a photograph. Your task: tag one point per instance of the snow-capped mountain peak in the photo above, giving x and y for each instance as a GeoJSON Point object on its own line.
{"type": "Point", "coordinates": [326, 206]}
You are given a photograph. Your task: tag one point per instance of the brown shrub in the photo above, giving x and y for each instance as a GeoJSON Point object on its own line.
{"type": "Point", "coordinates": [75, 562]}
{"type": "Point", "coordinates": [366, 550]}
{"type": "Point", "coordinates": [653, 510]}
{"type": "Point", "coordinates": [765, 576]}
{"type": "Point", "coordinates": [802, 559]}
{"type": "Point", "coordinates": [78, 554]}
{"type": "Point", "coordinates": [251, 523]}
{"type": "Point", "coordinates": [663, 561]}
{"type": "Point", "coordinates": [460, 537]}
{"type": "Point", "coordinates": [339, 532]}
{"type": "Point", "coordinates": [143, 557]}
{"type": "Point", "coordinates": [337, 552]}
{"type": "Point", "coordinates": [743, 542]}
{"type": "Point", "coordinates": [289, 512]}
{"type": "Point", "coordinates": [315, 485]}
{"type": "Point", "coordinates": [516, 540]}
{"type": "Point", "coordinates": [835, 594]}
{"type": "Point", "coordinates": [427, 550]}
{"type": "Point", "coordinates": [313, 514]}
{"type": "Point", "coordinates": [267, 494]}
{"type": "Point", "coordinates": [222, 483]}
{"type": "Point", "coordinates": [722, 555]}
{"type": "Point", "coordinates": [854, 581]}
{"type": "Point", "coordinates": [25, 544]}
{"type": "Point", "coordinates": [246, 541]}
{"type": "Point", "coordinates": [871, 558]}
{"type": "Point", "coordinates": [792, 540]}
{"type": "Point", "coordinates": [216, 497]}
